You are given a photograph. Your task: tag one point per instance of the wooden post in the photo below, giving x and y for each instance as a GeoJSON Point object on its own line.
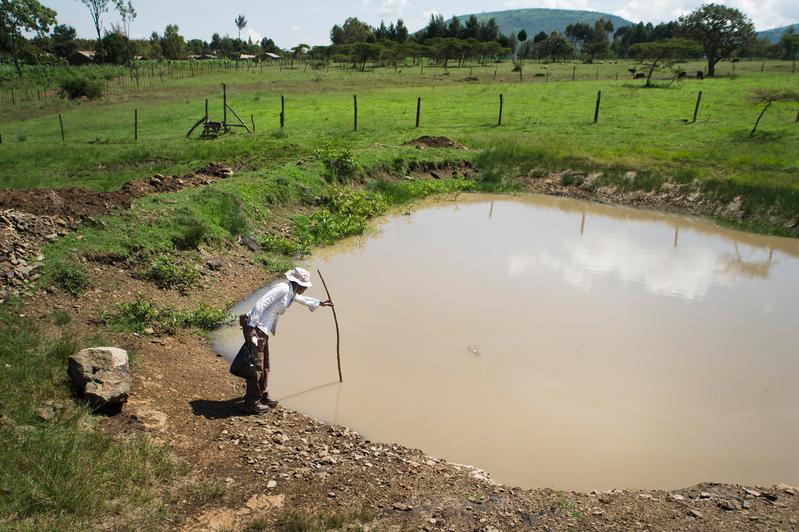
{"type": "Point", "coordinates": [61, 123]}
{"type": "Point", "coordinates": [797, 117]}
{"type": "Point", "coordinates": [596, 110]}
{"type": "Point", "coordinates": [419, 110]}
{"type": "Point", "coordinates": [499, 122]}
{"type": "Point", "coordinates": [206, 109]}
{"type": "Point", "coordinates": [224, 107]}
{"type": "Point", "coordinates": [597, 74]}
{"type": "Point", "coordinates": [762, 66]}
{"type": "Point", "coordinates": [282, 111]}
{"type": "Point", "coordinates": [355, 112]}
{"type": "Point", "coordinates": [13, 98]}
{"type": "Point", "coordinates": [696, 108]}
{"type": "Point", "coordinates": [495, 73]}
{"type": "Point", "coordinates": [617, 76]}
{"type": "Point", "coordinates": [252, 119]}
{"type": "Point", "coordinates": [574, 71]}
{"type": "Point", "coordinates": [135, 124]}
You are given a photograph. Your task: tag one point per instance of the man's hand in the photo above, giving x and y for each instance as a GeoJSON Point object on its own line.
{"type": "Point", "coordinates": [327, 303]}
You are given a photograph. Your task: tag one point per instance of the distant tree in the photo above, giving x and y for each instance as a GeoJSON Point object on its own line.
{"type": "Point", "coordinates": [471, 28]}
{"type": "Point", "coordinates": [63, 40]}
{"type": "Point", "coordinates": [353, 30]}
{"type": "Point", "coordinates": [118, 48]}
{"type": "Point", "coordinates": [97, 8]}
{"type": "Point", "coordinates": [579, 32]}
{"type": "Point", "coordinates": [365, 51]}
{"type": "Point", "coordinates": [172, 44]}
{"type": "Point", "coordinates": [522, 36]}
{"type": "Point", "coordinates": [18, 17]}
{"type": "Point", "coordinates": [788, 45]}
{"type": "Point", "coordinates": [454, 28]}
{"type": "Point", "coordinates": [269, 45]}
{"type": "Point", "coordinates": [297, 52]}
{"type": "Point", "coordinates": [664, 52]}
{"type": "Point", "coordinates": [241, 23]}
{"type": "Point", "coordinates": [127, 13]}
{"type": "Point", "coordinates": [196, 47]}
{"type": "Point", "coordinates": [488, 31]}
{"type": "Point", "coordinates": [556, 46]}
{"type": "Point", "coordinates": [768, 97]}
{"type": "Point", "coordinates": [540, 36]}
{"type": "Point", "coordinates": [402, 31]}
{"type": "Point", "coordinates": [155, 46]}
{"type": "Point", "coordinates": [436, 27]}
{"type": "Point", "coordinates": [721, 31]}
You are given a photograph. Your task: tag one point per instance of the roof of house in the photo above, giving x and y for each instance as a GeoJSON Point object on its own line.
{"type": "Point", "coordinates": [273, 56]}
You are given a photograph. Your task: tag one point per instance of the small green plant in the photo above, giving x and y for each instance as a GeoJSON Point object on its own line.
{"type": "Point", "coordinates": [339, 163]}
{"type": "Point", "coordinates": [347, 213]}
{"type": "Point", "coordinates": [22, 136]}
{"type": "Point", "coordinates": [191, 232]}
{"type": "Point", "coordinates": [78, 87]}
{"type": "Point", "coordinates": [167, 272]}
{"type": "Point", "coordinates": [71, 276]}
{"type": "Point", "coordinates": [61, 317]}
{"type": "Point", "coordinates": [288, 246]}
{"type": "Point", "coordinates": [143, 312]}
{"type": "Point", "coordinates": [207, 491]}
{"type": "Point", "coordinates": [305, 521]}
{"type": "Point", "coordinates": [233, 219]}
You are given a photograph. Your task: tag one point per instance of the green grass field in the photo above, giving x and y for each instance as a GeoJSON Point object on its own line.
{"type": "Point", "coordinates": [638, 129]}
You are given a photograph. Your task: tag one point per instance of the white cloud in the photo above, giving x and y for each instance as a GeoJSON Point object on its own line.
{"type": "Point", "coordinates": [393, 8]}
{"type": "Point", "coordinates": [254, 35]}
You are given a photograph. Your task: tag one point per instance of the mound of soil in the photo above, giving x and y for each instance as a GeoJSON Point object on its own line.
{"type": "Point", "coordinates": [77, 202]}
{"type": "Point", "coordinates": [434, 142]}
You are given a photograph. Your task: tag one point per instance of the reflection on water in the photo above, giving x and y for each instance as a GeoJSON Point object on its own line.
{"type": "Point", "coordinates": [557, 343]}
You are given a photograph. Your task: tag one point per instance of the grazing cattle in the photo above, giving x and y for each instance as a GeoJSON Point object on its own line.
{"type": "Point", "coordinates": [700, 74]}
{"type": "Point", "coordinates": [640, 75]}
{"type": "Point", "coordinates": [631, 70]}
{"type": "Point", "coordinates": [681, 74]}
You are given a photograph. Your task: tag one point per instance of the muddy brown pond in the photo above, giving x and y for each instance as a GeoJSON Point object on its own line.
{"type": "Point", "coordinates": [556, 343]}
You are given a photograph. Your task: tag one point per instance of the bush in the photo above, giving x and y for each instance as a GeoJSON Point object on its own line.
{"type": "Point", "coordinates": [348, 213]}
{"type": "Point", "coordinates": [339, 163]}
{"type": "Point", "coordinates": [167, 272]}
{"type": "Point", "coordinates": [78, 87]}
{"type": "Point", "coordinates": [71, 276]}
{"type": "Point", "coordinates": [232, 218]}
{"type": "Point", "coordinates": [191, 233]}
{"type": "Point", "coordinates": [143, 312]}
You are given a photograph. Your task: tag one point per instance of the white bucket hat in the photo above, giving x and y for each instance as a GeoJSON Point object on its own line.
{"type": "Point", "coordinates": [300, 276]}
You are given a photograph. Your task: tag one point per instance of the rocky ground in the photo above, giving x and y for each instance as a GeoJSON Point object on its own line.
{"type": "Point", "coordinates": [282, 461]}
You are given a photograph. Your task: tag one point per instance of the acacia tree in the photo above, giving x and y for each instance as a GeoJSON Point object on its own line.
{"type": "Point", "coordinates": [18, 16]}
{"type": "Point", "coordinates": [97, 8]}
{"type": "Point", "coordinates": [719, 29]}
{"type": "Point", "coordinates": [241, 23]}
{"type": "Point", "coordinates": [663, 52]}
{"type": "Point", "coordinates": [768, 97]}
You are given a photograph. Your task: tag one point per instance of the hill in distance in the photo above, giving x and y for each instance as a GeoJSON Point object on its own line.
{"type": "Point", "coordinates": [547, 20]}
{"type": "Point", "coordinates": [774, 34]}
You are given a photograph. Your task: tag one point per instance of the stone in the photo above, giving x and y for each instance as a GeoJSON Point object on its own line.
{"type": "Point", "coordinates": [46, 413]}
{"type": "Point", "coordinates": [785, 488]}
{"type": "Point", "coordinates": [730, 505]}
{"type": "Point", "coordinates": [250, 244]}
{"type": "Point", "coordinates": [704, 495]}
{"type": "Point", "coordinates": [677, 497]}
{"type": "Point", "coordinates": [215, 264]}
{"type": "Point", "coordinates": [402, 507]}
{"type": "Point", "coordinates": [753, 493]}
{"type": "Point", "coordinates": [272, 484]}
{"type": "Point", "coordinates": [695, 513]}
{"type": "Point", "coordinates": [101, 376]}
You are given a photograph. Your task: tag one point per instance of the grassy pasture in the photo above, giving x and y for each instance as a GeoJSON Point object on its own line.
{"type": "Point", "coordinates": [638, 129]}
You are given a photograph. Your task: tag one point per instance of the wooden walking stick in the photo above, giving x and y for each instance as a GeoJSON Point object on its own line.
{"type": "Point", "coordinates": [335, 319]}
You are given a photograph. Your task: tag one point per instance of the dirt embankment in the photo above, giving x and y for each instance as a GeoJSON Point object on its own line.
{"type": "Point", "coordinates": [670, 197]}
{"type": "Point", "coordinates": [33, 217]}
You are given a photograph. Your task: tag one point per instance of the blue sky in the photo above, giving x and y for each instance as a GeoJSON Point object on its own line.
{"type": "Point", "coordinates": [309, 21]}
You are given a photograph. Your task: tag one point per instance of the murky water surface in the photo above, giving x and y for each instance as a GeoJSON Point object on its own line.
{"type": "Point", "coordinates": [557, 343]}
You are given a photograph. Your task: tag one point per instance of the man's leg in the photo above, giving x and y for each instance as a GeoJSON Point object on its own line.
{"type": "Point", "coordinates": [254, 394]}
{"type": "Point", "coordinates": [265, 399]}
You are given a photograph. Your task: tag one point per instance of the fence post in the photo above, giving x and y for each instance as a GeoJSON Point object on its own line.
{"type": "Point", "coordinates": [224, 107]}
{"type": "Point", "coordinates": [135, 124]}
{"type": "Point", "coordinates": [206, 109]}
{"type": "Point", "coordinates": [696, 108]}
{"type": "Point", "coordinates": [252, 119]}
{"type": "Point", "coordinates": [499, 122]}
{"type": "Point", "coordinates": [574, 71]}
{"type": "Point", "coordinates": [282, 111]}
{"type": "Point", "coordinates": [596, 110]}
{"type": "Point", "coordinates": [61, 123]}
{"type": "Point", "coordinates": [13, 98]}
{"type": "Point", "coordinates": [355, 112]}
{"type": "Point", "coordinates": [419, 110]}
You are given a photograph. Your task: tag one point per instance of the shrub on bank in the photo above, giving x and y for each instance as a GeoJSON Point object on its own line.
{"type": "Point", "coordinates": [79, 87]}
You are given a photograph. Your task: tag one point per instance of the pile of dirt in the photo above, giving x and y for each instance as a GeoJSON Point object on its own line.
{"type": "Point", "coordinates": [21, 235]}
{"type": "Point", "coordinates": [434, 142]}
{"type": "Point", "coordinates": [80, 203]}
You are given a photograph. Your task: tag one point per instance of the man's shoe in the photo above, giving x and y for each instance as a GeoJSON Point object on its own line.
{"type": "Point", "coordinates": [265, 400]}
{"type": "Point", "coordinates": [257, 408]}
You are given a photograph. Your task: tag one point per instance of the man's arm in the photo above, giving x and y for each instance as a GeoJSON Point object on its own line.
{"type": "Point", "coordinates": [310, 302]}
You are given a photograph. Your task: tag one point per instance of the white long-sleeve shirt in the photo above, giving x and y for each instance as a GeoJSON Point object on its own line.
{"type": "Point", "coordinates": [274, 303]}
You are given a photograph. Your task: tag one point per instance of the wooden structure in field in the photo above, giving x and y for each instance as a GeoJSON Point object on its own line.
{"type": "Point", "coordinates": [211, 130]}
